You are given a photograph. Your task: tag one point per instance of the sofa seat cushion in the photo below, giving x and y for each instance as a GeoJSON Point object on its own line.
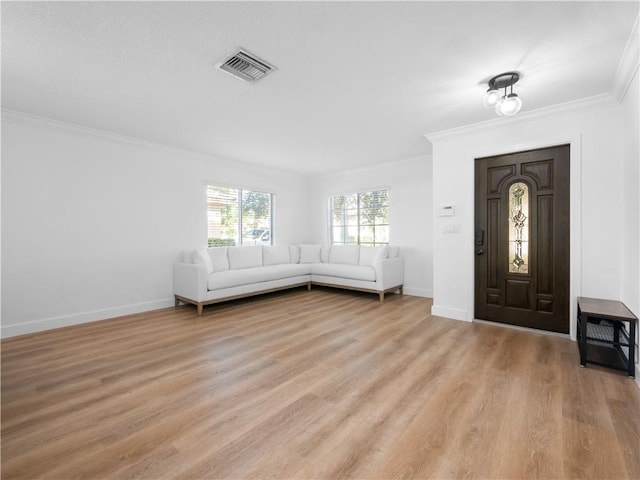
{"type": "Point", "coordinates": [248, 276]}
{"type": "Point", "coordinates": [355, 272]}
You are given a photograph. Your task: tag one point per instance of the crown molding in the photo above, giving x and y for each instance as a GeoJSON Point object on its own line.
{"type": "Point", "coordinates": [625, 72]}
{"type": "Point", "coordinates": [8, 114]}
{"type": "Point", "coordinates": [628, 65]}
{"type": "Point", "coordinates": [15, 115]}
{"type": "Point", "coordinates": [597, 101]}
{"type": "Point", "coordinates": [377, 166]}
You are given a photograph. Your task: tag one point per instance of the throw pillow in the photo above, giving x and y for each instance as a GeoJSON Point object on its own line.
{"type": "Point", "coordinates": [201, 257]}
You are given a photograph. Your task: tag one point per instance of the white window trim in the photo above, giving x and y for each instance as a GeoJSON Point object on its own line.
{"type": "Point", "coordinates": [329, 211]}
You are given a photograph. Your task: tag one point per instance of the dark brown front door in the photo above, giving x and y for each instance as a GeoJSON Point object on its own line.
{"type": "Point", "coordinates": [522, 239]}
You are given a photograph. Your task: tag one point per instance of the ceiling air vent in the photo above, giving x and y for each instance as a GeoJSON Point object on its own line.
{"type": "Point", "coordinates": [245, 66]}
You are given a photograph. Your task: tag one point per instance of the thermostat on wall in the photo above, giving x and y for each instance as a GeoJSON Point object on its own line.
{"type": "Point", "coordinates": [447, 211]}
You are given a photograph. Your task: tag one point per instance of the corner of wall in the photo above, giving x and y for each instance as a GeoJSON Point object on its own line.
{"type": "Point", "coordinates": [448, 312]}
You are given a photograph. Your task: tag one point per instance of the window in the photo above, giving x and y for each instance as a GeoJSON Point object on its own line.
{"type": "Point", "coordinates": [239, 217]}
{"type": "Point", "coordinates": [360, 218]}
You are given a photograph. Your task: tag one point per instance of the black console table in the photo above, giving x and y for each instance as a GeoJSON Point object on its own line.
{"type": "Point", "coordinates": [606, 334]}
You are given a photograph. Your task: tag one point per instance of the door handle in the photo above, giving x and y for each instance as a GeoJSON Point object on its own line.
{"type": "Point", "coordinates": [480, 252]}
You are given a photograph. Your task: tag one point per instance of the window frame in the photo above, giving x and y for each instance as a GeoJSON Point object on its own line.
{"type": "Point", "coordinates": [240, 192]}
{"type": "Point", "coordinates": [360, 223]}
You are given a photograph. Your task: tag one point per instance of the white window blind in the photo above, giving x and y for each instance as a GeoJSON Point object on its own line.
{"type": "Point", "coordinates": [360, 218]}
{"type": "Point", "coordinates": [239, 217]}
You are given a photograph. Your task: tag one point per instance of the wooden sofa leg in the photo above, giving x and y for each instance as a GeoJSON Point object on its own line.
{"type": "Point", "coordinates": [381, 296]}
{"type": "Point", "coordinates": [177, 302]}
{"type": "Point", "coordinates": [401, 289]}
{"type": "Point", "coordinates": [309, 286]}
{"type": "Point", "coordinates": [200, 308]}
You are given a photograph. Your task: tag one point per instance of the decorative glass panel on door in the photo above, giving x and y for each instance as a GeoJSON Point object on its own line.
{"type": "Point", "coordinates": [519, 228]}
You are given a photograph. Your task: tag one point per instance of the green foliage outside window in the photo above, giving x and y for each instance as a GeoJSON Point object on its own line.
{"type": "Point", "coordinates": [360, 218]}
{"type": "Point", "coordinates": [238, 217]}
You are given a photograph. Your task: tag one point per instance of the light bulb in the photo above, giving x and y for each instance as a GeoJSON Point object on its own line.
{"type": "Point", "coordinates": [499, 106]}
{"type": "Point", "coordinates": [491, 98]}
{"type": "Point", "coordinates": [510, 105]}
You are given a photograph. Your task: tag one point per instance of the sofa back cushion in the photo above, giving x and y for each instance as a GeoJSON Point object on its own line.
{"type": "Point", "coordinates": [245, 257]}
{"type": "Point", "coordinates": [219, 258]}
{"type": "Point", "coordinates": [372, 255]}
{"type": "Point", "coordinates": [310, 253]}
{"type": "Point", "coordinates": [275, 255]}
{"type": "Point", "coordinates": [346, 254]}
{"type": "Point", "coordinates": [324, 253]}
{"type": "Point", "coordinates": [294, 253]}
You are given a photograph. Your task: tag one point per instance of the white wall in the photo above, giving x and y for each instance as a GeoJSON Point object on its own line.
{"type": "Point", "coordinates": [410, 183]}
{"type": "Point", "coordinates": [597, 149]}
{"type": "Point", "coordinates": [631, 199]}
{"type": "Point", "coordinates": [631, 205]}
{"type": "Point", "coordinates": [92, 223]}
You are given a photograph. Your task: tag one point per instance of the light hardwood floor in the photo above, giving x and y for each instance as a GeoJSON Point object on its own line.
{"type": "Point", "coordinates": [319, 384]}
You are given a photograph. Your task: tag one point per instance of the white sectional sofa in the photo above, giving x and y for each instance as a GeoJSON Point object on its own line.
{"type": "Point", "coordinates": [224, 273]}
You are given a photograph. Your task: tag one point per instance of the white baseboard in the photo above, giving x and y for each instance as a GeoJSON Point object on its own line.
{"type": "Point", "coordinates": [78, 318]}
{"type": "Point", "coordinates": [418, 292]}
{"type": "Point", "coordinates": [447, 312]}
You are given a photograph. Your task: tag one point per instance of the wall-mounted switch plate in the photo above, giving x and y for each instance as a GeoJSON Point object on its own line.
{"type": "Point", "coordinates": [451, 228]}
{"type": "Point", "coordinates": [447, 211]}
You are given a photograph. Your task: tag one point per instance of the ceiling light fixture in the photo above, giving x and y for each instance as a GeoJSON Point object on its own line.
{"type": "Point", "coordinates": [505, 104]}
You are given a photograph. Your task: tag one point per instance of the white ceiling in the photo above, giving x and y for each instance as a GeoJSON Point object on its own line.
{"type": "Point", "coordinates": [357, 83]}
